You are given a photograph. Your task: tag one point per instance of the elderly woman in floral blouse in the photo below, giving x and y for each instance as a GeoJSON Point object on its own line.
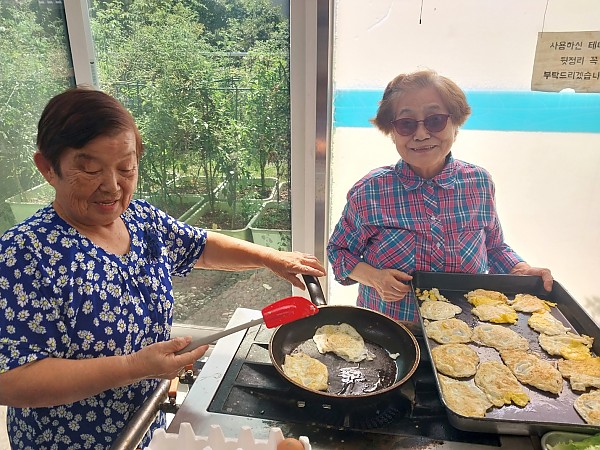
{"type": "Point", "coordinates": [86, 300]}
{"type": "Point", "coordinates": [427, 212]}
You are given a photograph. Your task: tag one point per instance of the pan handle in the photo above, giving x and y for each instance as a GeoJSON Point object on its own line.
{"type": "Point", "coordinates": [314, 289]}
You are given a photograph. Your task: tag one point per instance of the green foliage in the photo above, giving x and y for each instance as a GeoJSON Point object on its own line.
{"type": "Point", "coordinates": [268, 110]}
{"type": "Point", "coordinates": [206, 80]}
{"type": "Point", "coordinates": [34, 66]}
{"type": "Point", "coordinates": [202, 110]}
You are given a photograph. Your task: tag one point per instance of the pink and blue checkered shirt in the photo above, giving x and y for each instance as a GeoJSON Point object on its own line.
{"type": "Point", "coordinates": [396, 219]}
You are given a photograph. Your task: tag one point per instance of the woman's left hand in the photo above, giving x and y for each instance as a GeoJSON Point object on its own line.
{"type": "Point", "coordinates": [160, 360]}
{"type": "Point", "coordinates": [288, 265]}
{"type": "Point", "coordinates": [523, 268]}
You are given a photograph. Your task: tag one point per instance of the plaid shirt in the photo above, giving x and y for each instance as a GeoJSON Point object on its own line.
{"type": "Point", "coordinates": [396, 219]}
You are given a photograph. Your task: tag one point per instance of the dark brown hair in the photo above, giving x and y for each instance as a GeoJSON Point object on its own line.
{"type": "Point", "coordinates": [77, 116]}
{"type": "Point", "coordinates": [453, 97]}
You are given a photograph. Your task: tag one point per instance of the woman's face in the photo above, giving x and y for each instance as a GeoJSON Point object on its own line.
{"type": "Point", "coordinates": [97, 181]}
{"type": "Point", "coordinates": [424, 151]}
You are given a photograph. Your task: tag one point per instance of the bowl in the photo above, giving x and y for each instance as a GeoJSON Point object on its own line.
{"type": "Point", "coordinates": [555, 437]}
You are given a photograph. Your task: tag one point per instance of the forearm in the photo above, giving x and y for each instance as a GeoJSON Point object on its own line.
{"type": "Point", "coordinates": [363, 273]}
{"type": "Point", "coordinates": [56, 381]}
{"type": "Point", "coordinates": [226, 253]}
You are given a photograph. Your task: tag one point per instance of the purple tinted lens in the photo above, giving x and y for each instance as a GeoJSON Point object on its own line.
{"type": "Point", "coordinates": [436, 123]}
{"type": "Point", "coordinates": [433, 124]}
{"type": "Point", "coordinates": [405, 127]}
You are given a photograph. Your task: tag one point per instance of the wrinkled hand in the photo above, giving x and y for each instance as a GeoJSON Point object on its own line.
{"type": "Point", "coordinates": [288, 265]}
{"type": "Point", "coordinates": [160, 361]}
{"type": "Point", "coordinates": [523, 268]}
{"type": "Point", "coordinates": [391, 284]}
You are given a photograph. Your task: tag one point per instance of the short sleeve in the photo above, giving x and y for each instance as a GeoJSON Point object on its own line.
{"type": "Point", "coordinates": [184, 243]}
{"type": "Point", "coordinates": [31, 327]}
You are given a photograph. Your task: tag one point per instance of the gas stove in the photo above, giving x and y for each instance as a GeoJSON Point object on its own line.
{"type": "Point", "coordinates": [238, 386]}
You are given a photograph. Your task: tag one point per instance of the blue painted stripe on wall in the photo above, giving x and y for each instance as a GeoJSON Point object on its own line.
{"type": "Point", "coordinates": [492, 110]}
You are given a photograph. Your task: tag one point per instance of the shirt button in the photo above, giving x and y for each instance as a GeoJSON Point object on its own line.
{"type": "Point", "coordinates": [438, 245]}
{"type": "Point", "coordinates": [433, 218]}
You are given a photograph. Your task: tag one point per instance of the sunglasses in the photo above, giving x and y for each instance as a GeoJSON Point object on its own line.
{"type": "Point", "coordinates": [434, 124]}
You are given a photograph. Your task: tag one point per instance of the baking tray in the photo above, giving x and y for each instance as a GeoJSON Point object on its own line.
{"type": "Point", "coordinates": [545, 412]}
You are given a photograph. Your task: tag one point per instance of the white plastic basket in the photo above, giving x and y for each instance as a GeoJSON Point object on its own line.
{"type": "Point", "coordinates": [216, 440]}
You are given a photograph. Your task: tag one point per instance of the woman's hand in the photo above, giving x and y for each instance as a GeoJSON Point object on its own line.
{"type": "Point", "coordinates": [160, 361]}
{"type": "Point", "coordinates": [288, 265]}
{"type": "Point", "coordinates": [523, 268]}
{"type": "Point", "coordinates": [390, 284]}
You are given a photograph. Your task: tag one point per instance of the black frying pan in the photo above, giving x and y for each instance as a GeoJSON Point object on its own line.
{"type": "Point", "coordinates": [382, 335]}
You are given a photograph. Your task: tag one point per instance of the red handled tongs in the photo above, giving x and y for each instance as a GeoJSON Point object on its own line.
{"type": "Point", "coordinates": [282, 311]}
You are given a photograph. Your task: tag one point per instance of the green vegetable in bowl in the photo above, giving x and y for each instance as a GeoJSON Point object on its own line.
{"type": "Point", "coordinates": [591, 443]}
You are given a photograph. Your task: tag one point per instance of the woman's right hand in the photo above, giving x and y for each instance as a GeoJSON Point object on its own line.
{"type": "Point", "coordinates": [160, 361]}
{"type": "Point", "coordinates": [390, 284]}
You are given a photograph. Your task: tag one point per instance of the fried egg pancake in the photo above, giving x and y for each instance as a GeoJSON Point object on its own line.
{"type": "Point", "coordinates": [581, 374]}
{"type": "Point", "coordinates": [499, 313]}
{"type": "Point", "coordinates": [499, 384]}
{"type": "Point", "coordinates": [306, 371]}
{"type": "Point", "coordinates": [546, 323]}
{"type": "Point", "coordinates": [530, 369]}
{"type": "Point", "coordinates": [568, 345]}
{"type": "Point", "coordinates": [588, 407]}
{"type": "Point", "coordinates": [455, 360]}
{"type": "Point", "coordinates": [432, 294]}
{"type": "Point", "coordinates": [344, 341]}
{"type": "Point", "coordinates": [436, 310]}
{"type": "Point", "coordinates": [499, 337]}
{"type": "Point", "coordinates": [463, 397]}
{"type": "Point", "coordinates": [448, 331]}
{"type": "Point", "coordinates": [528, 303]}
{"type": "Point", "coordinates": [485, 297]}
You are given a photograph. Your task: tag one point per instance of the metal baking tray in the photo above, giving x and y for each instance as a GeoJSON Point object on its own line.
{"type": "Point", "coordinates": [545, 412]}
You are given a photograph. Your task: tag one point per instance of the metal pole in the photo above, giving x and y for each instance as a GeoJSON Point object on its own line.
{"type": "Point", "coordinates": [139, 423]}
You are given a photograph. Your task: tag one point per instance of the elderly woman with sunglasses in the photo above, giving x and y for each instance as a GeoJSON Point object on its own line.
{"type": "Point", "coordinates": [428, 211]}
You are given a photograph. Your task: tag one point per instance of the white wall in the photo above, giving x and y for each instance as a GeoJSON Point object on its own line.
{"type": "Point", "coordinates": [480, 44]}
{"type": "Point", "coordinates": [547, 184]}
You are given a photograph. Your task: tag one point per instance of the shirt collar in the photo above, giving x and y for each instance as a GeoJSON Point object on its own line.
{"type": "Point", "coordinates": [411, 181]}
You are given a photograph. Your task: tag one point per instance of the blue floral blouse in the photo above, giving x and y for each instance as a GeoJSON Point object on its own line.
{"type": "Point", "coordinates": [62, 296]}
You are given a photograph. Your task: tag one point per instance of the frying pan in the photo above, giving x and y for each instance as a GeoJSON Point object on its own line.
{"type": "Point", "coordinates": [395, 347]}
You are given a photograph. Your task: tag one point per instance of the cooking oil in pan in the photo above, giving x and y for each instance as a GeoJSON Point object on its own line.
{"type": "Point", "coordinates": [361, 378]}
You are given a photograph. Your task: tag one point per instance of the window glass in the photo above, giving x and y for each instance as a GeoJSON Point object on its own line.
{"type": "Point", "coordinates": [208, 84]}
{"type": "Point", "coordinates": [34, 66]}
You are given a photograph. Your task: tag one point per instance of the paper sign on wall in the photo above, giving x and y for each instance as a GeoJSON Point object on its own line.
{"type": "Point", "coordinates": [567, 60]}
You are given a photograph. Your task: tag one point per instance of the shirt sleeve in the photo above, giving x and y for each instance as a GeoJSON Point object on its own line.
{"type": "Point", "coordinates": [184, 243]}
{"type": "Point", "coordinates": [349, 238]}
{"type": "Point", "coordinates": [31, 319]}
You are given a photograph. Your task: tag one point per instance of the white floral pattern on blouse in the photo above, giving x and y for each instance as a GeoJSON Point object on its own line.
{"type": "Point", "coordinates": [62, 296]}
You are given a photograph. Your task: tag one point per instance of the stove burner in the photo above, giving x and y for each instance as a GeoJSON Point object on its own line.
{"type": "Point", "coordinates": [380, 417]}
{"type": "Point", "coordinates": [358, 413]}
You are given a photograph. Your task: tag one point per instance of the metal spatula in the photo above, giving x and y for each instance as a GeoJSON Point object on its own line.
{"type": "Point", "coordinates": [282, 311]}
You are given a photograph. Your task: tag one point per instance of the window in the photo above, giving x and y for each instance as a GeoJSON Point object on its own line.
{"type": "Point", "coordinates": [35, 65]}
{"type": "Point", "coordinates": [208, 83]}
